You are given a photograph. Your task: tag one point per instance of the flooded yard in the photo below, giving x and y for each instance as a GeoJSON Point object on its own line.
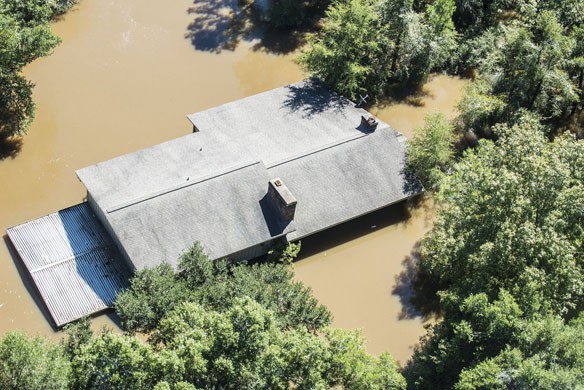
{"type": "Point", "coordinates": [124, 77]}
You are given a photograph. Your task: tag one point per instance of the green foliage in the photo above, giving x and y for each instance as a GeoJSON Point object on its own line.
{"type": "Point", "coordinates": [25, 35]}
{"type": "Point", "coordinates": [479, 108]}
{"type": "Point", "coordinates": [152, 293]}
{"type": "Point", "coordinates": [345, 55]}
{"type": "Point", "coordinates": [430, 153]}
{"type": "Point", "coordinates": [222, 325]}
{"type": "Point", "coordinates": [512, 219]}
{"type": "Point", "coordinates": [352, 368]}
{"type": "Point", "coordinates": [365, 46]}
{"type": "Point", "coordinates": [549, 355]}
{"type": "Point", "coordinates": [215, 285]}
{"type": "Point", "coordinates": [32, 364]}
{"type": "Point", "coordinates": [492, 345]}
{"type": "Point", "coordinates": [283, 252]}
{"type": "Point", "coordinates": [111, 361]}
{"type": "Point", "coordinates": [534, 65]}
{"type": "Point", "coordinates": [79, 333]}
{"type": "Point", "coordinates": [244, 348]}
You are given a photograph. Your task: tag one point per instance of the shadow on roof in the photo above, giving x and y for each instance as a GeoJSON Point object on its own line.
{"type": "Point", "coordinates": [313, 97]}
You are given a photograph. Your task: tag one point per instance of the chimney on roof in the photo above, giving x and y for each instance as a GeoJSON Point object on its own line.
{"type": "Point", "coordinates": [282, 199]}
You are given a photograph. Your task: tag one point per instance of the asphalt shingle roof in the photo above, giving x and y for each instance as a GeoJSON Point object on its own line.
{"type": "Point", "coordinates": [211, 186]}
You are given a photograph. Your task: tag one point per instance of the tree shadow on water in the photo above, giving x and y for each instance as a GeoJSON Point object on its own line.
{"type": "Point", "coordinates": [415, 289]}
{"type": "Point", "coordinates": [217, 25]}
{"type": "Point", "coordinates": [10, 147]}
{"type": "Point", "coordinates": [410, 95]}
{"type": "Point", "coordinates": [222, 24]}
{"type": "Point", "coordinates": [281, 41]}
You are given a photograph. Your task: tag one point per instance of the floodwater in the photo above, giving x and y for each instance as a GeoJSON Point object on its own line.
{"type": "Point", "coordinates": [124, 77]}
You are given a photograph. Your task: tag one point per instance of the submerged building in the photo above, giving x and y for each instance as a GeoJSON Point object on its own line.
{"type": "Point", "coordinates": [283, 164]}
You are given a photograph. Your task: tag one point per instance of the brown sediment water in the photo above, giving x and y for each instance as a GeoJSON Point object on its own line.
{"type": "Point", "coordinates": [440, 94]}
{"type": "Point", "coordinates": [364, 281]}
{"type": "Point", "coordinates": [124, 78]}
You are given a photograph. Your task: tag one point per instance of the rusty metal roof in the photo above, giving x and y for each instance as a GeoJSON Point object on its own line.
{"type": "Point", "coordinates": [73, 262]}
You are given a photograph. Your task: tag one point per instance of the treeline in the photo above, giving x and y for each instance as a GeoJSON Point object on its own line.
{"type": "Point", "coordinates": [25, 35]}
{"type": "Point", "coordinates": [212, 325]}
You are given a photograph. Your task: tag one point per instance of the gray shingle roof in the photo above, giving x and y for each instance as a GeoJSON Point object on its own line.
{"type": "Point", "coordinates": [211, 186]}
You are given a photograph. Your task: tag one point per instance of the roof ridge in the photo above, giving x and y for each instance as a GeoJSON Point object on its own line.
{"type": "Point", "coordinates": [316, 150]}
{"type": "Point", "coordinates": [180, 186]}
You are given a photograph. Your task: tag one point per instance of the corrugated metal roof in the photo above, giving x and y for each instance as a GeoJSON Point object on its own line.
{"type": "Point", "coordinates": [73, 262]}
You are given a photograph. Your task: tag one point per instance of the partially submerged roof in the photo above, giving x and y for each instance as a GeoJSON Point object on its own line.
{"type": "Point", "coordinates": [211, 186]}
{"type": "Point", "coordinates": [72, 261]}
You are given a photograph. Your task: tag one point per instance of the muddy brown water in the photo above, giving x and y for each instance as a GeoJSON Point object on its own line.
{"type": "Point", "coordinates": [124, 77]}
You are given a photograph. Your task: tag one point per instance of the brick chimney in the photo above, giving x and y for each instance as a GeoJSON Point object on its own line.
{"type": "Point", "coordinates": [282, 199]}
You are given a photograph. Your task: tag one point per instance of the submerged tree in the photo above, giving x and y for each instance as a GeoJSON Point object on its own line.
{"type": "Point", "coordinates": [528, 69]}
{"type": "Point", "coordinates": [25, 36]}
{"type": "Point", "coordinates": [484, 344]}
{"type": "Point", "coordinates": [215, 285]}
{"type": "Point", "coordinates": [512, 219]}
{"type": "Point", "coordinates": [347, 54]}
{"type": "Point", "coordinates": [430, 153]}
{"type": "Point", "coordinates": [32, 363]}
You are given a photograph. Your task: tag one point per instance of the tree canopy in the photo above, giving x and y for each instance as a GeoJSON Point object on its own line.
{"type": "Point", "coordinates": [512, 219]}
{"type": "Point", "coordinates": [25, 36]}
{"type": "Point", "coordinates": [365, 46]}
{"type": "Point", "coordinates": [493, 344]}
{"type": "Point", "coordinates": [203, 335]}
{"type": "Point", "coordinates": [215, 285]}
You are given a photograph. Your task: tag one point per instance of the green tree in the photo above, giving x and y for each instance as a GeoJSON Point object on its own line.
{"type": "Point", "coordinates": [152, 293]}
{"type": "Point", "coordinates": [430, 153]}
{"type": "Point", "coordinates": [25, 36]}
{"type": "Point", "coordinates": [512, 219]}
{"type": "Point", "coordinates": [32, 364]}
{"type": "Point", "coordinates": [111, 361]}
{"type": "Point", "coordinates": [530, 70]}
{"type": "Point", "coordinates": [347, 54]}
{"type": "Point", "coordinates": [215, 285]}
{"type": "Point", "coordinates": [483, 344]}
{"type": "Point", "coordinates": [417, 41]}
{"type": "Point", "coordinates": [244, 347]}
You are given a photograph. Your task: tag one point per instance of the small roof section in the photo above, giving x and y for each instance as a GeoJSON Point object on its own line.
{"type": "Point", "coordinates": [72, 261]}
{"type": "Point", "coordinates": [211, 185]}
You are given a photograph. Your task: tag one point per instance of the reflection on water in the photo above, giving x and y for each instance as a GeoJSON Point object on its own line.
{"type": "Point", "coordinates": [440, 94]}
{"type": "Point", "coordinates": [358, 278]}
{"type": "Point", "coordinates": [124, 77]}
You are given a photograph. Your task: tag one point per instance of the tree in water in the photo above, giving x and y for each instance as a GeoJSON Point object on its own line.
{"type": "Point", "coordinates": [26, 36]}
{"type": "Point", "coordinates": [431, 153]}
{"type": "Point", "coordinates": [32, 363]}
{"type": "Point", "coordinates": [347, 54]}
{"type": "Point", "coordinates": [493, 344]}
{"type": "Point", "coordinates": [512, 219]}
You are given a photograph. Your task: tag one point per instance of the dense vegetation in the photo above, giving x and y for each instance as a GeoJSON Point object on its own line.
{"type": "Point", "coordinates": [24, 36]}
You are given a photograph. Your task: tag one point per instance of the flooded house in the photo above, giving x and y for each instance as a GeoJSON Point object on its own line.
{"type": "Point", "coordinates": [280, 165]}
